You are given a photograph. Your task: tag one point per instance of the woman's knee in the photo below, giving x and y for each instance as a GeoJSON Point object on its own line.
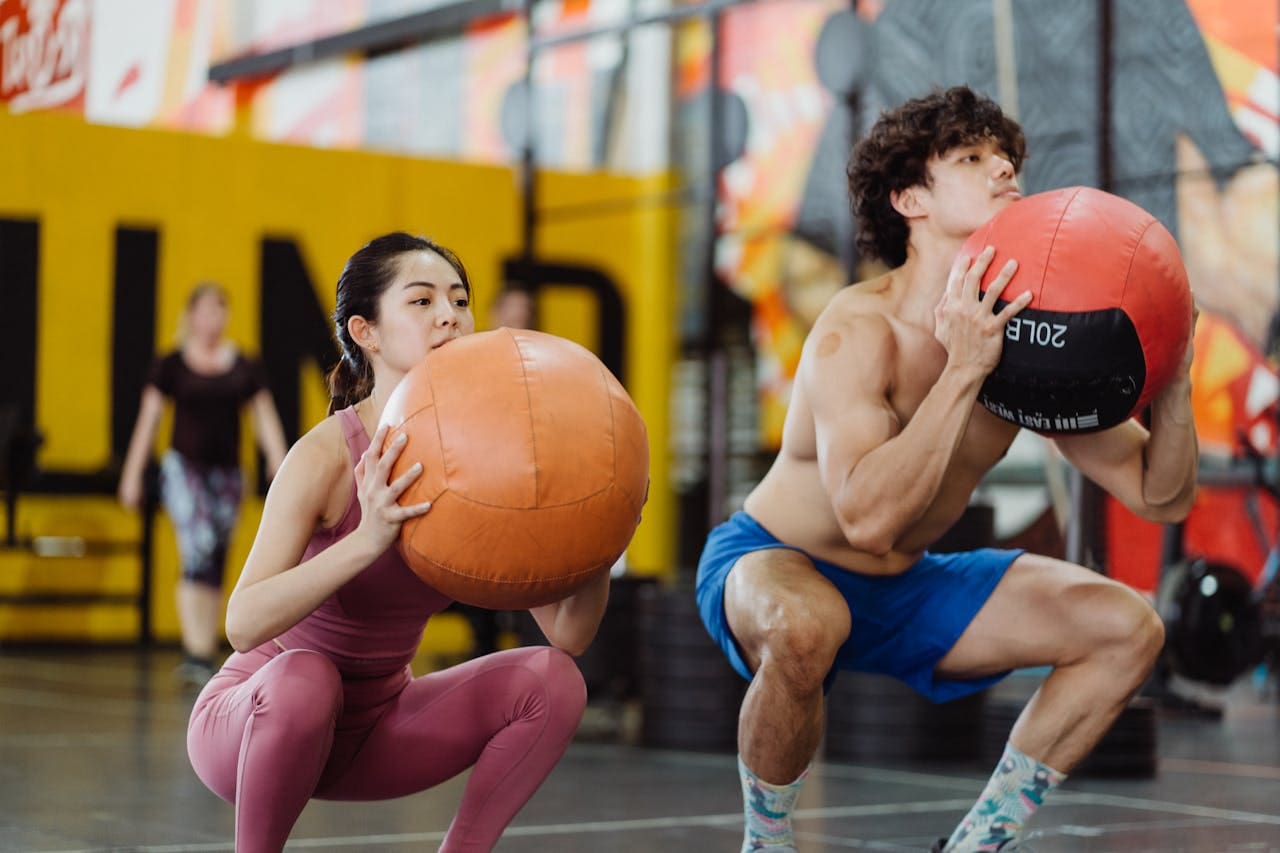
{"type": "Point", "coordinates": [302, 686]}
{"type": "Point", "coordinates": [560, 672]}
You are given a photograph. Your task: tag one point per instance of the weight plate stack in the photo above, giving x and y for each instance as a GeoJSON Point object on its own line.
{"type": "Point", "coordinates": [877, 719]}
{"type": "Point", "coordinates": [690, 696]}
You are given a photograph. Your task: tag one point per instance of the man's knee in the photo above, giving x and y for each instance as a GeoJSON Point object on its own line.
{"type": "Point", "coordinates": [799, 638]}
{"type": "Point", "coordinates": [1148, 636]}
{"type": "Point", "coordinates": [1125, 625]}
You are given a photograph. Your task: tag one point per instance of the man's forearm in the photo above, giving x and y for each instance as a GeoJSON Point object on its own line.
{"type": "Point", "coordinates": [1172, 454]}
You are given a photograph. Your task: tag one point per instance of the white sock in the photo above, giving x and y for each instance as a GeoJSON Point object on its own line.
{"type": "Point", "coordinates": [1016, 789]}
{"type": "Point", "coordinates": [767, 809]}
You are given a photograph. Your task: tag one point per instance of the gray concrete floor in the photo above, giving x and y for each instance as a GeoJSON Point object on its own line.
{"type": "Point", "coordinates": [92, 758]}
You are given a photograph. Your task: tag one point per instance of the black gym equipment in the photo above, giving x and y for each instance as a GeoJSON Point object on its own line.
{"type": "Point", "coordinates": [689, 693]}
{"type": "Point", "coordinates": [1214, 632]}
{"type": "Point", "coordinates": [876, 719]}
{"type": "Point", "coordinates": [1218, 625]}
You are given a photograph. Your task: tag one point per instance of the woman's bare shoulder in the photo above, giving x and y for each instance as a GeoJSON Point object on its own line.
{"type": "Point", "coordinates": [320, 456]}
{"type": "Point", "coordinates": [323, 464]}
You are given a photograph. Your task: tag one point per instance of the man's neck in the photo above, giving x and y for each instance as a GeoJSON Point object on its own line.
{"type": "Point", "coordinates": [923, 277]}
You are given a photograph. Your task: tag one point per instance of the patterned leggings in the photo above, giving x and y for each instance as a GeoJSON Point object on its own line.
{"type": "Point", "coordinates": [202, 502]}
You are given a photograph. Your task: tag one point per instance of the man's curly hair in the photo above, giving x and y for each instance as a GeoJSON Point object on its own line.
{"type": "Point", "coordinates": [892, 158]}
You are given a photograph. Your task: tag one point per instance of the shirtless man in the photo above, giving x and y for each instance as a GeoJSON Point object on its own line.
{"type": "Point", "coordinates": [826, 569]}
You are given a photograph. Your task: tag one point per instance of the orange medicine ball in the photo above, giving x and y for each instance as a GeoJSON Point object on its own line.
{"type": "Point", "coordinates": [1110, 313]}
{"type": "Point", "coordinates": [534, 458]}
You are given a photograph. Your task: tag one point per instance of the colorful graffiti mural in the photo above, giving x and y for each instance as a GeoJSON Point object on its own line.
{"type": "Point", "coordinates": [1193, 114]}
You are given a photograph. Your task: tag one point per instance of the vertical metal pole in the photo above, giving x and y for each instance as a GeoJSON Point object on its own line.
{"type": "Point", "coordinates": [1272, 345]}
{"type": "Point", "coordinates": [528, 156]}
{"type": "Point", "coordinates": [1085, 538]}
{"type": "Point", "coordinates": [1106, 177]}
{"type": "Point", "coordinates": [146, 555]}
{"type": "Point", "coordinates": [1006, 57]}
{"type": "Point", "coordinates": [11, 511]}
{"type": "Point", "coordinates": [716, 363]}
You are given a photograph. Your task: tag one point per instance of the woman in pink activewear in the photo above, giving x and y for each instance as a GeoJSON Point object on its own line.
{"type": "Point", "coordinates": [319, 700]}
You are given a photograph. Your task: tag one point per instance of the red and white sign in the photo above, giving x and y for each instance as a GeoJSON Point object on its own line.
{"type": "Point", "coordinates": [44, 47]}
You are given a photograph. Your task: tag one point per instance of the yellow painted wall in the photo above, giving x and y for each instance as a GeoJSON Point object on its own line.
{"type": "Point", "coordinates": [213, 200]}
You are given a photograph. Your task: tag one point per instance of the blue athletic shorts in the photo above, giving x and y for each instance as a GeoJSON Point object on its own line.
{"type": "Point", "coordinates": [902, 624]}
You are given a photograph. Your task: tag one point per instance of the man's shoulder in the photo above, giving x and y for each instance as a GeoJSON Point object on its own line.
{"type": "Point", "coordinates": [854, 336]}
{"type": "Point", "coordinates": [860, 309]}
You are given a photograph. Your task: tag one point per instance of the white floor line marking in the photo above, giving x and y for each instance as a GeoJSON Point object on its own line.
{"type": "Point", "coordinates": [1072, 830]}
{"type": "Point", "coordinates": [1219, 768]}
{"type": "Point", "coordinates": [729, 820]}
{"type": "Point", "coordinates": [1172, 808]}
{"type": "Point", "coordinates": [733, 821]}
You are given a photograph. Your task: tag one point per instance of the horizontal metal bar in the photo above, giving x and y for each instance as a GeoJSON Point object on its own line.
{"type": "Point", "coordinates": [443, 22]}
{"type": "Point", "coordinates": [382, 37]}
{"type": "Point", "coordinates": [1213, 471]}
{"type": "Point", "coordinates": [1217, 471]}
{"type": "Point", "coordinates": [670, 16]}
{"type": "Point", "coordinates": [1015, 474]}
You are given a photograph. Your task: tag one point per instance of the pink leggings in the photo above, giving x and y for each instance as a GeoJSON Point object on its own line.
{"type": "Point", "coordinates": [274, 729]}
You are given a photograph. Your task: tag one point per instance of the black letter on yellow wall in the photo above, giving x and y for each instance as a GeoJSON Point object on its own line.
{"type": "Point", "coordinates": [294, 327]}
{"type": "Point", "coordinates": [133, 329]}
{"type": "Point", "coordinates": [610, 310]}
{"type": "Point", "coordinates": [19, 259]}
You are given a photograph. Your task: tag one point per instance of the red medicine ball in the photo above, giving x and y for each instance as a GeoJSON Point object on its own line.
{"type": "Point", "coordinates": [1110, 313]}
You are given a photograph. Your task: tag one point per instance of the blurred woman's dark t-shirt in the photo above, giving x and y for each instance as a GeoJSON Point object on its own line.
{"type": "Point", "coordinates": [206, 417]}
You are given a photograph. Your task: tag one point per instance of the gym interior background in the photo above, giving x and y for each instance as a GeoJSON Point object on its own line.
{"type": "Point", "coordinates": [668, 179]}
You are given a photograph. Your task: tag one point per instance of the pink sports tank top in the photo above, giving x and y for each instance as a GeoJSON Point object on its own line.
{"type": "Point", "coordinates": [373, 624]}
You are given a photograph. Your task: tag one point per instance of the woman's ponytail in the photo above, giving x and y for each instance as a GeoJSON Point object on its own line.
{"type": "Point", "coordinates": [348, 385]}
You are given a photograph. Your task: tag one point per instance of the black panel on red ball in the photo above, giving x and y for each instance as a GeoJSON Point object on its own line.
{"type": "Point", "coordinates": [1110, 313]}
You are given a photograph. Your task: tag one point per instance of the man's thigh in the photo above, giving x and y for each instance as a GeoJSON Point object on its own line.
{"type": "Point", "coordinates": [1043, 612]}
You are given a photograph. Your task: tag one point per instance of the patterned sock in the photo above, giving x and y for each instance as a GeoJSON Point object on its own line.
{"type": "Point", "coordinates": [768, 811]}
{"type": "Point", "coordinates": [1015, 791]}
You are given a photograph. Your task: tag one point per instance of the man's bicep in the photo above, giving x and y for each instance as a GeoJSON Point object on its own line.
{"type": "Point", "coordinates": [845, 441]}
{"type": "Point", "coordinates": [849, 397]}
